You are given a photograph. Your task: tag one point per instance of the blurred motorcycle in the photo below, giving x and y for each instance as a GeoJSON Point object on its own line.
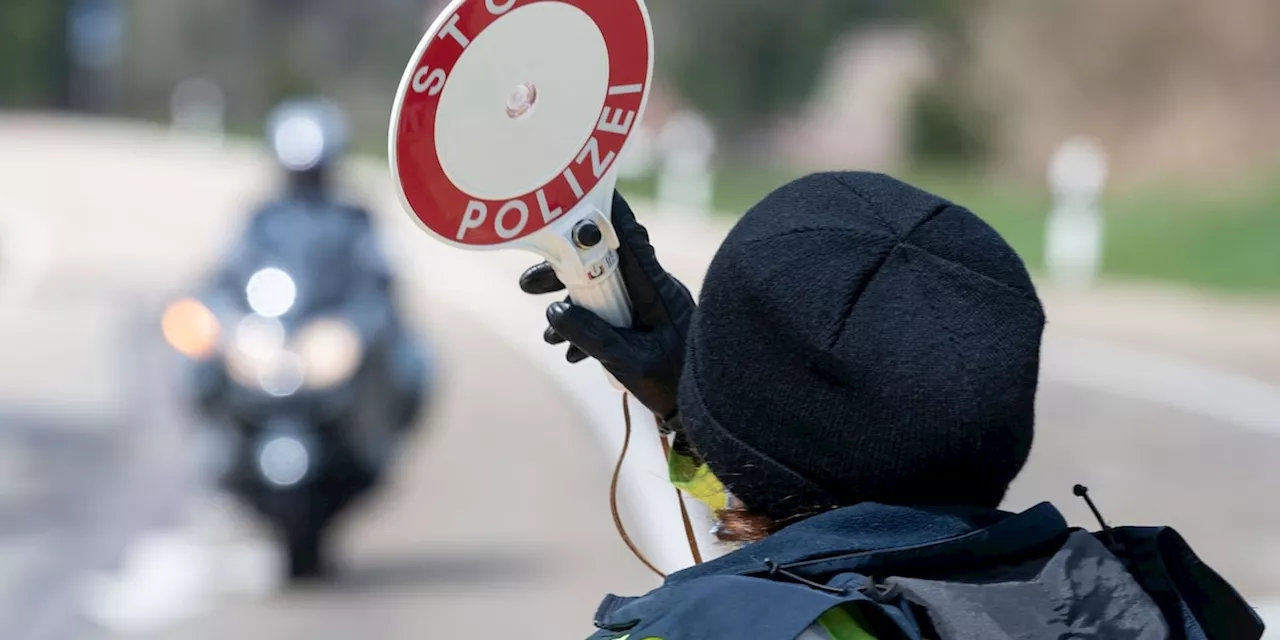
{"type": "Point", "coordinates": [300, 364]}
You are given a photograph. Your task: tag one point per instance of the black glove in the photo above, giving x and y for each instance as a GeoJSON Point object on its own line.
{"type": "Point", "coordinates": [646, 358]}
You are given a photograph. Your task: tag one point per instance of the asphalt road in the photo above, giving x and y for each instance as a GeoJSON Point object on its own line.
{"type": "Point", "coordinates": [497, 521]}
{"type": "Point", "coordinates": [499, 503]}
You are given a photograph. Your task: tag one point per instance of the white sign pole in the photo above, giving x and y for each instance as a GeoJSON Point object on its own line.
{"type": "Point", "coordinates": [685, 179]}
{"type": "Point", "coordinates": [637, 158]}
{"type": "Point", "coordinates": [198, 106]}
{"type": "Point", "coordinates": [1074, 232]}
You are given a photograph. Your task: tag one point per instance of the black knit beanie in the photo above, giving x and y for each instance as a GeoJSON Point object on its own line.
{"type": "Point", "coordinates": [858, 339]}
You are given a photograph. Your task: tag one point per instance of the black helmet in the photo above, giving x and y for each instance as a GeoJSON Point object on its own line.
{"type": "Point", "coordinates": [307, 137]}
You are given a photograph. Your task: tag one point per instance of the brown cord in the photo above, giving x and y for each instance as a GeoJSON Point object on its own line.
{"type": "Point", "coordinates": [613, 491]}
{"type": "Point", "coordinates": [684, 511]}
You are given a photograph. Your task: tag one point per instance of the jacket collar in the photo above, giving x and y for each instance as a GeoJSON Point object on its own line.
{"type": "Point", "coordinates": [871, 535]}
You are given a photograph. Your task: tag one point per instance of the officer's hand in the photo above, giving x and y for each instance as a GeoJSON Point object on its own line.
{"type": "Point", "coordinates": [646, 358]}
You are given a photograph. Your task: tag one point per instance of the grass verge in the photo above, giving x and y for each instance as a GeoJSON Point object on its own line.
{"type": "Point", "coordinates": [1226, 237]}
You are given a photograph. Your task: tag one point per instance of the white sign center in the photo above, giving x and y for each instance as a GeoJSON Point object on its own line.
{"type": "Point", "coordinates": [552, 46]}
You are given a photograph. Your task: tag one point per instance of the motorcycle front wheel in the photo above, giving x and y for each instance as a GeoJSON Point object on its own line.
{"type": "Point", "coordinates": [302, 523]}
{"type": "Point", "coordinates": [305, 553]}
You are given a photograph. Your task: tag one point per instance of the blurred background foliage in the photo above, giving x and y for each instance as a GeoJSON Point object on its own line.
{"type": "Point", "coordinates": [968, 97]}
{"type": "Point", "coordinates": [745, 61]}
{"type": "Point", "coordinates": [34, 64]}
{"type": "Point", "coordinates": [742, 62]}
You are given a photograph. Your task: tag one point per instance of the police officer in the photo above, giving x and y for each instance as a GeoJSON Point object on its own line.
{"type": "Point", "coordinates": [855, 389]}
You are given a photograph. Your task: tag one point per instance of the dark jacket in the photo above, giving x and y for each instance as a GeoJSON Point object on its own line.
{"type": "Point", "coordinates": [942, 573]}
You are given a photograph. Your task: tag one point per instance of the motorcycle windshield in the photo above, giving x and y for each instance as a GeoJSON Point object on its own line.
{"type": "Point", "coordinates": [301, 260]}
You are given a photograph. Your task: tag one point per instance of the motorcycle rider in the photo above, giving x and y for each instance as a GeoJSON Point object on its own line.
{"type": "Point", "coordinates": [308, 138]}
{"type": "Point", "coordinates": [852, 395]}
{"type": "Point", "coordinates": [312, 255]}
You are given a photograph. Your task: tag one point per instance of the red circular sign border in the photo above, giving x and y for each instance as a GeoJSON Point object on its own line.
{"type": "Point", "coordinates": [436, 203]}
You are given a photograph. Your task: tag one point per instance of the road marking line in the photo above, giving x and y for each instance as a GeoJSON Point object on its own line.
{"type": "Point", "coordinates": [1269, 611]}
{"type": "Point", "coordinates": [24, 254]}
{"type": "Point", "coordinates": [164, 578]}
{"type": "Point", "coordinates": [171, 576]}
{"type": "Point", "coordinates": [1223, 396]}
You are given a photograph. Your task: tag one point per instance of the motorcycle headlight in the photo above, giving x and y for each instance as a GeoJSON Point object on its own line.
{"type": "Point", "coordinates": [330, 350]}
{"type": "Point", "coordinates": [271, 292]}
{"type": "Point", "coordinates": [191, 328]}
{"type": "Point", "coordinates": [258, 357]}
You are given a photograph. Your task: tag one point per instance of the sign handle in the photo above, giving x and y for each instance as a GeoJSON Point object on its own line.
{"type": "Point", "coordinates": [607, 297]}
{"type": "Point", "coordinates": [583, 250]}
{"type": "Point", "coordinates": [602, 291]}
{"type": "Point", "coordinates": [584, 253]}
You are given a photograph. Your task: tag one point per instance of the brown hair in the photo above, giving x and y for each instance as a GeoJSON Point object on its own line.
{"type": "Point", "coordinates": [740, 524]}
{"type": "Point", "coordinates": [737, 523]}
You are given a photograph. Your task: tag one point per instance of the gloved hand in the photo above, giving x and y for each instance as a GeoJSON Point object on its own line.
{"type": "Point", "coordinates": [646, 358]}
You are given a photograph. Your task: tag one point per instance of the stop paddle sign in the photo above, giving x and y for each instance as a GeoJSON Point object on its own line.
{"type": "Point", "coordinates": [507, 126]}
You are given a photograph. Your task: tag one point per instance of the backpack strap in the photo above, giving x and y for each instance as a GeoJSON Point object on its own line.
{"type": "Point", "coordinates": [1198, 603]}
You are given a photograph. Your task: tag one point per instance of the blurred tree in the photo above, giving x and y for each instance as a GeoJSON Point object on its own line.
{"type": "Point", "coordinates": [947, 125]}
{"type": "Point", "coordinates": [34, 61]}
{"type": "Point", "coordinates": [946, 128]}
